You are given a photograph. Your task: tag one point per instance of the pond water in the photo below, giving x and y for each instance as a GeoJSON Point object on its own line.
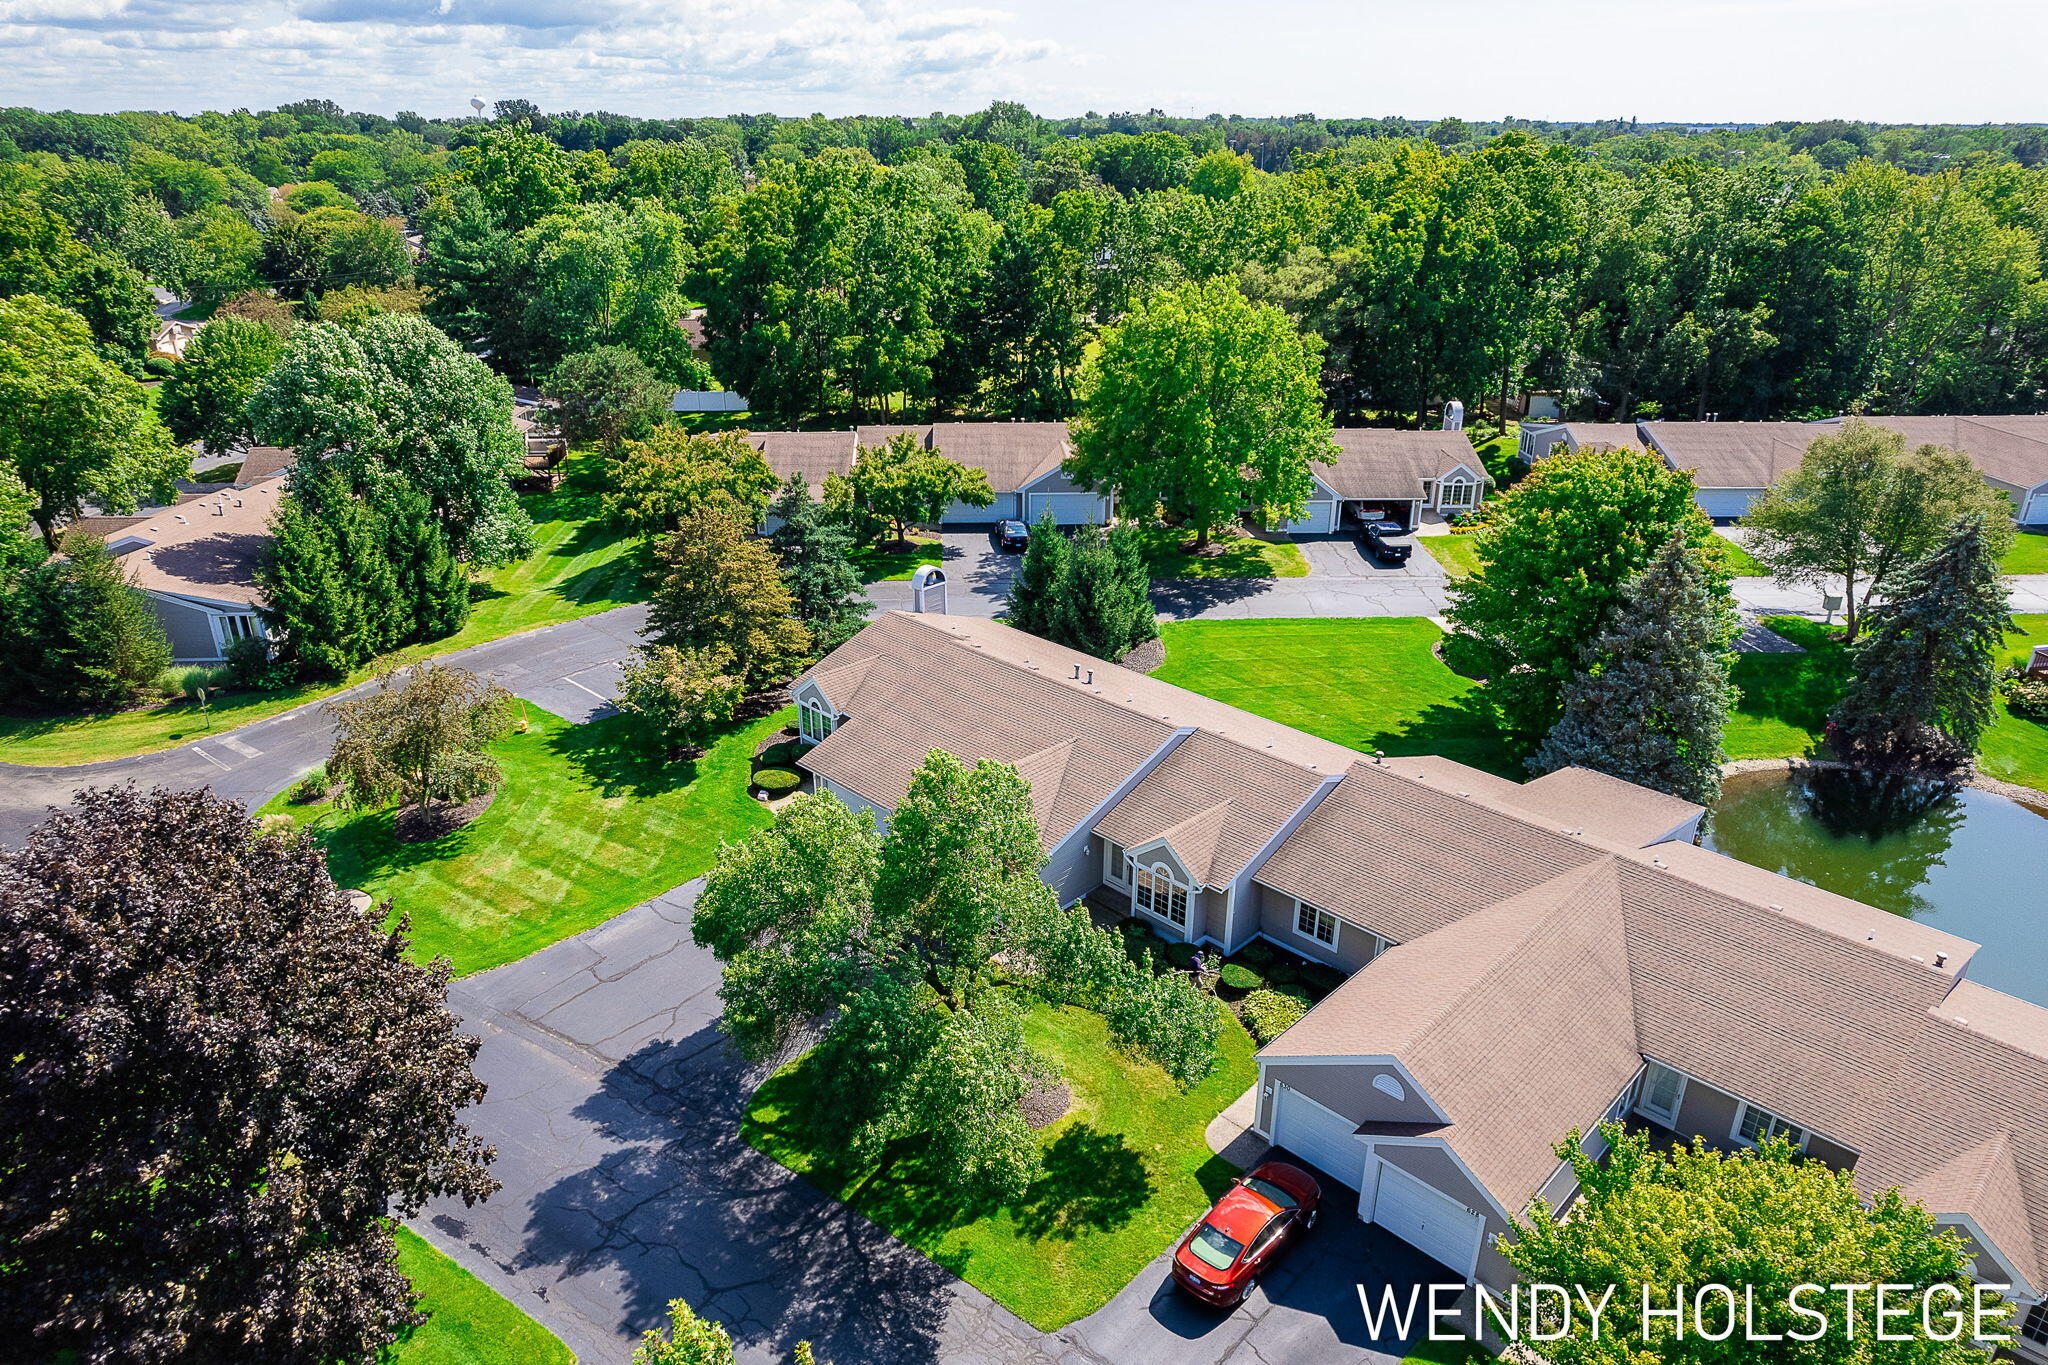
{"type": "Point", "coordinates": [1963, 861]}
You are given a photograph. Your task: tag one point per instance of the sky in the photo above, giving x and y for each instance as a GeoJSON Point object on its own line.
{"type": "Point", "coordinates": [1699, 61]}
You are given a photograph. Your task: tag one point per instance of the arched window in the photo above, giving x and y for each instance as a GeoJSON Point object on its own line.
{"type": "Point", "coordinates": [813, 721]}
{"type": "Point", "coordinates": [1157, 890]}
{"type": "Point", "coordinates": [1458, 494]}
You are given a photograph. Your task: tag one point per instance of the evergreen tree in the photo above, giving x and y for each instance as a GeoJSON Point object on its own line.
{"type": "Point", "coordinates": [76, 632]}
{"type": "Point", "coordinates": [1142, 621]}
{"type": "Point", "coordinates": [823, 585]}
{"type": "Point", "coordinates": [1653, 692]}
{"type": "Point", "coordinates": [1093, 615]}
{"type": "Point", "coordinates": [431, 581]}
{"type": "Point", "coordinates": [1925, 672]}
{"type": "Point", "coordinates": [310, 602]}
{"type": "Point", "coordinates": [1040, 579]}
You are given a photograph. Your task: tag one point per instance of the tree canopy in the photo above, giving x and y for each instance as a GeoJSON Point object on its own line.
{"type": "Point", "coordinates": [1205, 404]}
{"type": "Point", "coordinates": [658, 482]}
{"type": "Point", "coordinates": [219, 1104]}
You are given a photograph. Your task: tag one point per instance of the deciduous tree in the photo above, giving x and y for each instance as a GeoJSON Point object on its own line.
{"type": "Point", "coordinates": [680, 696]}
{"type": "Point", "coordinates": [205, 398]}
{"type": "Point", "coordinates": [606, 395]}
{"type": "Point", "coordinates": [419, 738]}
{"type": "Point", "coordinates": [1763, 1221]}
{"type": "Point", "coordinates": [906, 483]}
{"type": "Point", "coordinates": [1859, 507]}
{"type": "Point", "coordinates": [76, 429]}
{"type": "Point", "coordinates": [660, 481]}
{"type": "Point", "coordinates": [1558, 550]}
{"type": "Point", "coordinates": [1205, 404]}
{"type": "Point", "coordinates": [222, 1100]}
{"type": "Point", "coordinates": [1652, 694]}
{"type": "Point", "coordinates": [717, 587]}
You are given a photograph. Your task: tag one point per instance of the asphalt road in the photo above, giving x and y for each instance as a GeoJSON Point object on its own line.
{"type": "Point", "coordinates": [570, 669]}
{"type": "Point", "coordinates": [614, 1104]}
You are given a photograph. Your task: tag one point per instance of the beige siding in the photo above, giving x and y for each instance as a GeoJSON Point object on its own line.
{"type": "Point", "coordinates": [1354, 946]}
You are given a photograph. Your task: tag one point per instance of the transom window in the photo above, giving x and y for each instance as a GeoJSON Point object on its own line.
{"type": "Point", "coordinates": [814, 722]}
{"type": "Point", "coordinates": [1753, 1125]}
{"type": "Point", "coordinates": [1155, 890]}
{"type": "Point", "coordinates": [1319, 925]}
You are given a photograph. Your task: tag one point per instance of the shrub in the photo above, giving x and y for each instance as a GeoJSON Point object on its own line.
{"type": "Point", "coordinates": [310, 788]}
{"type": "Point", "coordinates": [777, 781]}
{"type": "Point", "coordinates": [1181, 955]}
{"type": "Point", "coordinates": [1258, 954]}
{"type": "Point", "coordinates": [1268, 1014]}
{"type": "Point", "coordinates": [1240, 976]}
{"type": "Point", "coordinates": [1283, 972]}
{"type": "Point", "coordinates": [251, 667]}
{"type": "Point", "coordinates": [2026, 696]}
{"type": "Point", "coordinates": [780, 755]}
{"type": "Point", "coordinates": [187, 679]}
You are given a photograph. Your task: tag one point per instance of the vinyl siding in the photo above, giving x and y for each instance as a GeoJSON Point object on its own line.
{"type": "Point", "coordinates": [1354, 946]}
{"type": "Point", "coordinates": [1346, 1088]}
{"type": "Point", "coordinates": [189, 628]}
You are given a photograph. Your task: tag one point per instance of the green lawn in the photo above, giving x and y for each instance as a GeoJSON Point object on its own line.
{"type": "Point", "coordinates": [1375, 684]}
{"type": "Point", "coordinates": [1458, 554]}
{"type": "Point", "coordinates": [575, 569]}
{"type": "Point", "coordinates": [877, 565]}
{"type": "Point", "coordinates": [1126, 1172]}
{"type": "Point", "coordinates": [584, 827]}
{"type": "Point", "coordinates": [1742, 562]}
{"type": "Point", "coordinates": [1167, 556]}
{"type": "Point", "coordinates": [2029, 553]}
{"type": "Point", "coordinates": [471, 1324]}
{"type": "Point", "coordinates": [1372, 683]}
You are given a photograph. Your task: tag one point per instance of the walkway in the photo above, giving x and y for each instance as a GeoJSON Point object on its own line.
{"type": "Point", "coordinates": [570, 669]}
{"type": "Point", "coordinates": [614, 1104]}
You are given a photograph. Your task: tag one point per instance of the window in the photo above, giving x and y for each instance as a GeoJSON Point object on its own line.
{"type": "Point", "coordinates": [814, 722]}
{"type": "Point", "coordinates": [1319, 925]}
{"type": "Point", "coordinates": [1156, 891]}
{"type": "Point", "coordinates": [1459, 495]}
{"type": "Point", "coordinates": [1663, 1091]}
{"type": "Point", "coordinates": [238, 627]}
{"type": "Point", "coordinates": [1753, 1125]}
{"type": "Point", "coordinates": [2035, 1326]}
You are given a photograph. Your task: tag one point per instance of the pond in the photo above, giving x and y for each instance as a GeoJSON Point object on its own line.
{"type": "Point", "coordinates": [1961, 860]}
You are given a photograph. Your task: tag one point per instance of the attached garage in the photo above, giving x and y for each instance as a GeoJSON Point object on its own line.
{"type": "Point", "coordinates": [1068, 509]}
{"type": "Point", "coordinates": [1319, 519]}
{"type": "Point", "coordinates": [1004, 508]}
{"type": "Point", "coordinates": [1726, 504]}
{"type": "Point", "coordinates": [1425, 1217]}
{"type": "Point", "coordinates": [1318, 1135]}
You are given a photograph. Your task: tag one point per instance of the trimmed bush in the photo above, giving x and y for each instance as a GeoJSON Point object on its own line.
{"type": "Point", "coordinates": [775, 782]}
{"type": "Point", "coordinates": [1268, 1014]}
{"type": "Point", "coordinates": [1283, 972]}
{"type": "Point", "coordinates": [779, 755]}
{"type": "Point", "coordinates": [1181, 955]}
{"type": "Point", "coordinates": [1240, 976]}
{"type": "Point", "coordinates": [1258, 954]}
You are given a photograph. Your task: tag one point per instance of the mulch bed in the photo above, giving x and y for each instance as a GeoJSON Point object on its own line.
{"type": "Point", "coordinates": [422, 823]}
{"type": "Point", "coordinates": [1046, 1105]}
{"type": "Point", "coordinates": [1146, 657]}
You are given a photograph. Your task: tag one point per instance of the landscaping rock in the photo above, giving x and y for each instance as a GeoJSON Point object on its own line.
{"type": "Point", "coordinates": [1147, 657]}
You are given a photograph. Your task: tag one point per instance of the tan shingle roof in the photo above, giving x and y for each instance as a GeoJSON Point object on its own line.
{"type": "Point", "coordinates": [1012, 454]}
{"type": "Point", "coordinates": [1475, 1011]}
{"type": "Point", "coordinates": [1604, 435]}
{"type": "Point", "coordinates": [1606, 807]}
{"type": "Point", "coordinates": [206, 546]}
{"type": "Point", "coordinates": [1216, 801]}
{"type": "Point", "coordinates": [263, 462]}
{"type": "Point", "coordinates": [1382, 462]}
{"type": "Point", "coordinates": [813, 454]}
{"type": "Point", "coordinates": [2012, 450]}
{"type": "Point", "coordinates": [1735, 454]}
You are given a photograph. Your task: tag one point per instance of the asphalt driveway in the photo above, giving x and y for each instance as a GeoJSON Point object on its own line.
{"type": "Point", "coordinates": [614, 1105]}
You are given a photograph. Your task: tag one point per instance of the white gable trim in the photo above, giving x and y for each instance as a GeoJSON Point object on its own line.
{"type": "Point", "coordinates": [1391, 1063]}
{"type": "Point", "coordinates": [1458, 1161]}
{"type": "Point", "coordinates": [1086, 827]}
{"type": "Point", "coordinates": [2010, 1276]}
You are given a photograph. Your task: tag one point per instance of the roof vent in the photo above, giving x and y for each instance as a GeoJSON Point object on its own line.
{"type": "Point", "coordinates": [219, 511]}
{"type": "Point", "coordinates": [238, 502]}
{"type": "Point", "coordinates": [1077, 672]}
{"type": "Point", "coordinates": [1779, 908]}
{"type": "Point", "coordinates": [1378, 757]}
{"type": "Point", "coordinates": [179, 517]}
{"type": "Point", "coordinates": [1870, 938]}
{"type": "Point", "coordinates": [1091, 677]}
{"type": "Point", "coordinates": [1941, 959]}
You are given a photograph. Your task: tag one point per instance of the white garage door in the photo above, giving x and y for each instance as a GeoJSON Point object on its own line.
{"type": "Point", "coordinates": [1727, 502]}
{"type": "Point", "coordinates": [1319, 519]}
{"type": "Point", "coordinates": [1068, 509]}
{"type": "Point", "coordinates": [1315, 1134]}
{"type": "Point", "coordinates": [1427, 1219]}
{"type": "Point", "coordinates": [960, 513]}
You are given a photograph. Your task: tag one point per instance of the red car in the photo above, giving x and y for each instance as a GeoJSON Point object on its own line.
{"type": "Point", "coordinates": [1259, 1217]}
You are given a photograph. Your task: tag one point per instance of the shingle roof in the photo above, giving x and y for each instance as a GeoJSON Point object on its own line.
{"type": "Point", "coordinates": [1012, 454]}
{"type": "Point", "coordinates": [813, 454]}
{"type": "Point", "coordinates": [1604, 435]}
{"type": "Point", "coordinates": [1384, 462]}
{"type": "Point", "coordinates": [1734, 454]}
{"type": "Point", "coordinates": [204, 546]}
{"type": "Point", "coordinates": [1546, 948]}
{"type": "Point", "coordinates": [263, 462]}
{"type": "Point", "coordinates": [1475, 1010]}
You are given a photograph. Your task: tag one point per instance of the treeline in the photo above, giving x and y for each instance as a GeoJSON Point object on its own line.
{"type": "Point", "coordinates": [961, 265]}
